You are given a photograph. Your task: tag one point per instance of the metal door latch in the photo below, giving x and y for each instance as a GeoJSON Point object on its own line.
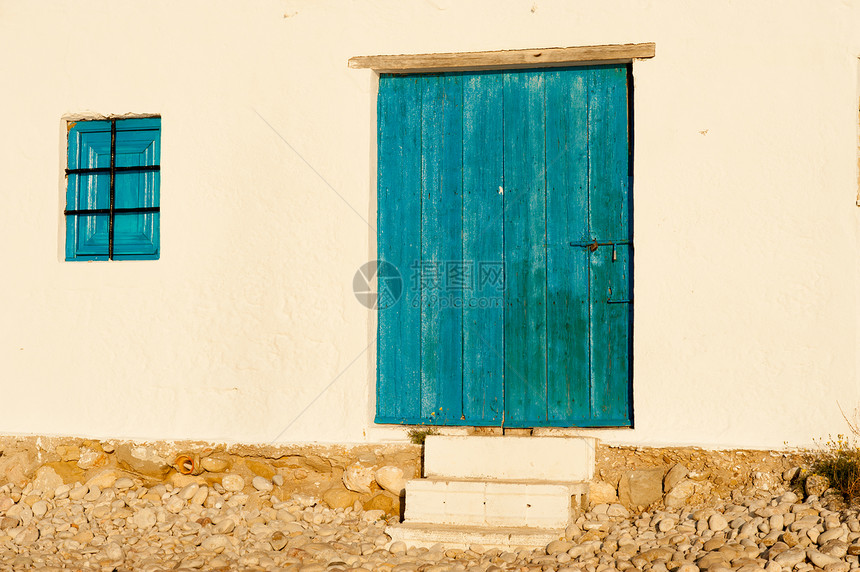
{"type": "Point", "coordinates": [593, 245]}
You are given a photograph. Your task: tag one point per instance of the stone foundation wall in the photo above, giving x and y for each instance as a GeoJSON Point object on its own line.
{"type": "Point", "coordinates": [640, 478]}
{"type": "Point", "coordinates": [374, 475]}
{"type": "Point", "coordinates": [371, 475]}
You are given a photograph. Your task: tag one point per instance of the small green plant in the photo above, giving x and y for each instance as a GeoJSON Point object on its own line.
{"type": "Point", "coordinates": [417, 435]}
{"type": "Point", "coordinates": [838, 460]}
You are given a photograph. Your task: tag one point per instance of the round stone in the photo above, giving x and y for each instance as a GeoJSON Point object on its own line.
{"type": "Point", "coordinates": [776, 522]}
{"type": "Point", "coordinates": [188, 491]}
{"type": "Point", "coordinates": [558, 546]}
{"type": "Point", "coordinates": [358, 478]}
{"type": "Point", "coordinates": [391, 478]}
{"type": "Point", "coordinates": [215, 464]}
{"type": "Point", "coordinates": [233, 483]}
{"type": "Point", "coordinates": [262, 484]}
{"type": "Point", "coordinates": [39, 508]}
{"type": "Point", "coordinates": [717, 522]}
{"type": "Point", "coordinates": [114, 552]}
{"type": "Point", "coordinates": [200, 496]}
{"type": "Point", "coordinates": [123, 483]}
{"type": "Point", "coordinates": [791, 557]}
{"type": "Point", "coordinates": [174, 504]}
{"type": "Point", "coordinates": [278, 540]}
{"type": "Point", "coordinates": [397, 548]}
{"type": "Point", "coordinates": [225, 526]}
{"type": "Point", "coordinates": [145, 518]}
{"type": "Point", "coordinates": [217, 543]}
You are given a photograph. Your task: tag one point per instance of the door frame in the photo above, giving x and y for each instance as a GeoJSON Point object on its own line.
{"type": "Point", "coordinates": [509, 59]}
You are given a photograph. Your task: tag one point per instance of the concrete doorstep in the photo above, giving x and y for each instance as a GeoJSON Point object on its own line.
{"type": "Point", "coordinates": [423, 535]}
{"type": "Point", "coordinates": [496, 492]}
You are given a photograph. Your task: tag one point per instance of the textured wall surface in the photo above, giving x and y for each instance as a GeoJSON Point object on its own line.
{"type": "Point", "coordinates": [246, 329]}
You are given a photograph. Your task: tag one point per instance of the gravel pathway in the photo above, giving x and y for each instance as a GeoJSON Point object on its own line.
{"type": "Point", "coordinates": [129, 527]}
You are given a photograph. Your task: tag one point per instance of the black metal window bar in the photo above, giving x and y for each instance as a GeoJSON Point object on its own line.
{"type": "Point", "coordinates": [113, 170]}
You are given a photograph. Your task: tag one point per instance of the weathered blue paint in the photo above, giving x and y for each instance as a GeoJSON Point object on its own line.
{"type": "Point", "coordinates": [609, 217]}
{"type": "Point", "coordinates": [398, 223]}
{"type": "Point", "coordinates": [492, 169]}
{"type": "Point", "coordinates": [525, 246]}
{"type": "Point", "coordinates": [138, 143]}
{"type": "Point", "coordinates": [483, 249]}
{"type": "Point", "coordinates": [87, 235]}
{"type": "Point", "coordinates": [567, 351]}
{"type": "Point", "coordinates": [441, 247]}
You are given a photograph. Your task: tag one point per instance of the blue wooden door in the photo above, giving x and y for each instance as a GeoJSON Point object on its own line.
{"type": "Point", "coordinates": [503, 201]}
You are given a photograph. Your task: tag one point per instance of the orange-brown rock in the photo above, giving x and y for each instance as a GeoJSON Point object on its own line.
{"type": "Point", "coordinates": [68, 471]}
{"type": "Point", "coordinates": [339, 497]}
{"type": "Point", "coordinates": [261, 468]}
{"type": "Point", "coordinates": [385, 502]}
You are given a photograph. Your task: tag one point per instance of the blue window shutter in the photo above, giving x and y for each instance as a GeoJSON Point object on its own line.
{"type": "Point", "coordinates": [89, 148]}
{"type": "Point", "coordinates": [137, 143]}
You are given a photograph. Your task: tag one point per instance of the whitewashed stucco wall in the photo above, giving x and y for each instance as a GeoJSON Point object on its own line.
{"type": "Point", "coordinates": [246, 329]}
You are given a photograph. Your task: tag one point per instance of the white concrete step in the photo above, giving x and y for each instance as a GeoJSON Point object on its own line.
{"type": "Point", "coordinates": [493, 503]}
{"type": "Point", "coordinates": [510, 458]}
{"type": "Point", "coordinates": [454, 536]}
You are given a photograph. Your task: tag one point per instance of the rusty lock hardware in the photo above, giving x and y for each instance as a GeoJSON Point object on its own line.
{"type": "Point", "coordinates": [593, 245]}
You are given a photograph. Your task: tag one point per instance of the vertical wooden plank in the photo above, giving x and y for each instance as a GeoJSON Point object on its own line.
{"type": "Point", "coordinates": [568, 396]}
{"type": "Point", "coordinates": [483, 248]}
{"type": "Point", "coordinates": [451, 249]}
{"type": "Point", "coordinates": [441, 248]}
{"type": "Point", "coordinates": [525, 249]}
{"type": "Point", "coordinates": [399, 243]}
{"type": "Point", "coordinates": [609, 197]}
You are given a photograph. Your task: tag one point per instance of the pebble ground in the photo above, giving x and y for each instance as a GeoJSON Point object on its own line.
{"type": "Point", "coordinates": [131, 527]}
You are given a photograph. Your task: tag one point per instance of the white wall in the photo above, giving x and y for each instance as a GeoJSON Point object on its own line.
{"type": "Point", "coordinates": [747, 252]}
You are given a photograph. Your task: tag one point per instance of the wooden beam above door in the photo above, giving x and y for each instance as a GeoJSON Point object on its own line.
{"type": "Point", "coordinates": [504, 59]}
